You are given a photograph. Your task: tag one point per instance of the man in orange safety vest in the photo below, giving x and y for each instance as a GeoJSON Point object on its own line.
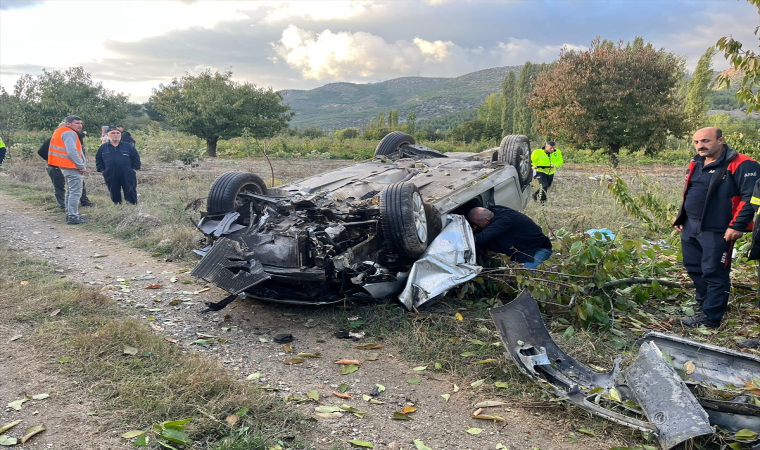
{"type": "Point", "coordinates": [65, 152]}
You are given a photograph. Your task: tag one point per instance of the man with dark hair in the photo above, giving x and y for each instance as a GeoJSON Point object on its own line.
{"type": "Point", "coordinates": [716, 211]}
{"type": "Point", "coordinates": [118, 161]}
{"type": "Point", "coordinates": [125, 136]}
{"type": "Point", "coordinates": [545, 162]}
{"type": "Point", "coordinates": [56, 176]}
{"type": "Point", "coordinates": [66, 152]}
{"type": "Point", "coordinates": [504, 230]}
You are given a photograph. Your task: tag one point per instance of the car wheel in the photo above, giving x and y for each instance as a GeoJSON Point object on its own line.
{"type": "Point", "coordinates": [391, 143]}
{"type": "Point", "coordinates": [403, 220]}
{"type": "Point", "coordinates": [515, 151]}
{"type": "Point", "coordinates": [224, 195]}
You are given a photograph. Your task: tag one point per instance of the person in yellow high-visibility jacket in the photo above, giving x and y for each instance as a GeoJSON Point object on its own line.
{"type": "Point", "coordinates": [545, 161]}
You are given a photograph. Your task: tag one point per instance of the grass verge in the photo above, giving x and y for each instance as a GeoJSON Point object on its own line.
{"type": "Point", "coordinates": [89, 341]}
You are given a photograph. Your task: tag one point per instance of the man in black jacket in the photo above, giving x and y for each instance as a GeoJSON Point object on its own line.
{"type": "Point", "coordinates": [715, 212]}
{"type": "Point", "coordinates": [504, 230]}
{"type": "Point", "coordinates": [59, 182]}
{"type": "Point", "coordinates": [118, 160]}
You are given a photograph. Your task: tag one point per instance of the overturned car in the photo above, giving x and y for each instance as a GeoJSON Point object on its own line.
{"type": "Point", "coordinates": [351, 233]}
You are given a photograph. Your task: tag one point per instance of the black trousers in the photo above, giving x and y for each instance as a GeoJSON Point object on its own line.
{"type": "Point", "coordinates": [545, 181]}
{"type": "Point", "coordinates": [59, 187]}
{"type": "Point", "coordinates": [120, 179]}
{"type": "Point", "coordinates": [2, 154]}
{"type": "Point", "coordinates": [707, 258]}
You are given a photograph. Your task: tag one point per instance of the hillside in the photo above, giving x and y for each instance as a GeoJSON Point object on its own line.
{"type": "Point", "coordinates": [342, 105]}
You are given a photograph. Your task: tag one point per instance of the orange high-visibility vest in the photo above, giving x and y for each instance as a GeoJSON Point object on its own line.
{"type": "Point", "coordinates": [57, 154]}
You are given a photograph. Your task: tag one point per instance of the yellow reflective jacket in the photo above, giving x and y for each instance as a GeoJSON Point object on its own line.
{"type": "Point", "coordinates": [542, 161]}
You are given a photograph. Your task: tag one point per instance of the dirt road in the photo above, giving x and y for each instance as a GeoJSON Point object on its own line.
{"type": "Point", "coordinates": [249, 327]}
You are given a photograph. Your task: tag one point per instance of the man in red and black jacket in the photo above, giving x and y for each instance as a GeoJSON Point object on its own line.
{"type": "Point", "coordinates": [716, 211]}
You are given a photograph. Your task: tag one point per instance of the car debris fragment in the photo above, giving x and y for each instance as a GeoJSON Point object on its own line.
{"type": "Point", "coordinates": [654, 393]}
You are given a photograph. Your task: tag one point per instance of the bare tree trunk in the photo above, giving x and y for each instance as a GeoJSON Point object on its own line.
{"type": "Point", "coordinates": [211, 146]}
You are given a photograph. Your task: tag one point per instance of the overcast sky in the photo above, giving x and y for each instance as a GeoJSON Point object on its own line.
{"type": "Point", "coordinates": [133, 46]}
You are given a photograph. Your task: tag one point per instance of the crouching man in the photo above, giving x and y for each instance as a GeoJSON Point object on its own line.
{"type": "Point", "coordinates": [504, 230]}
{"type": "Point", "coordinates": [118, 160]}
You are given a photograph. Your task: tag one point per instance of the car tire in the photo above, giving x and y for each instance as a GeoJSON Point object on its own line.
{"type": "Point", "coordinates": [392, 142]}
{"type": "Point", "coordinates": [515, 151]}
{"type": "Point", "coordinates": [403, 220]}
{"type": "Point", "coordinates": [224, 195]}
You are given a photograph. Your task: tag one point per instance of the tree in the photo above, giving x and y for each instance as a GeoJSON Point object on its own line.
{"type": "Point", "coordinates": [612, 96]}
{"type": "Point", "coordinates": [522, 117]}
{"type": "Point", "coordinates": [508, 104]}
{"type": "Point", "coordinates": [698, 90]}
{"type": "Point", "coordinates": [45, 100]}
{"type": "Point", "coordinates": [212, 107]}
{"type": "Point", "coordinates": [411, 122]}
{"type": "Point", "coordinates": [745, 61]}
{"type": "Point", "coordinates": [9, 116]}
{"type": "Point", "coordinates": [393, 119]}
{"type": "Point", "coordinates": [490, 114]}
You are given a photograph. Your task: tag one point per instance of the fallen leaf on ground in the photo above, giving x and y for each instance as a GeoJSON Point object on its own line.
{"type": "Point", "coordinates": [745, 434]}
{"type": "Point", "coordinates": [8, 441]}
{"type": "Point", "coordinates": [348, 361]}
{"type": "Point", "coordinates": [10, 425]}
{"type": "Point", "coordinates": [309, 355]}
{"type": "Point", "coordinates": [154, 286]}
{"type": "Point", "coordinates": [31, 431]}
{"type": "Point", "coordinates": [353, 411]}
{"type": "Point", "coordinates": [419, 445]}
{"type": "Point", "coordinates": [129, 350]}
{"type": "Point", "coordinates": [38, 397]}
{"type": "Point", "coordinates": [477, 383]}
{"type": "Point", "coordinates": [474, 431]}
{"type": "Point", "coordinates": [408, 410]}
{"type": "Point", "coordinates": [493, 417]}
{"type": "Point", "coordinates": [132, 434]}
{"type": "Point", "coordinates": [400, 416]}
{"type": "Point", "coordinates": [287, 348]}
{"type": "Point", "coordinates": [55, 313]}
{"type": "Point", "coordinates": [313, 394]}
{"type": "Point", "coordinates": [231, 419]}
{"type": "Point", "coordinates": [172, 340]}
{"type": "Point", "coordinates": [341, 395]}
{"type": "Point", "coordinates": [328, 409]}
{"type": "Point", "coordinates": [489, 403]}
{"type": "Point", "coordinates": [253, 376]}
{"type": "Point", "coordinates": [420, 368]}
{"type": "Point", "coordinates": [486, 361]}
{"type": "Point", "coordinates": [459, 317]}
{"type": "Point", "coordinates": [360, 443]}
{"type": "Point", "coordinates": [332, 415]}
{"type": "Point", "coordinates": [586, 431]}
{"type": "Point", "coordinates": [372, 346]}
{"type": "Point", "coordinates": [17, 403]}
{"type": "Point", "coordinates": [349, 368]}
{"type": "Point", "coordinates": [446, 396]}
{"type": "Point", "coordinates": [293, 361]}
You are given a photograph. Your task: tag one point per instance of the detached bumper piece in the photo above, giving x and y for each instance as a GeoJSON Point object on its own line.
{"type": "Point", "coordinates": [655, 393]}
{"type": "Point", "coordinates": [231, 267]}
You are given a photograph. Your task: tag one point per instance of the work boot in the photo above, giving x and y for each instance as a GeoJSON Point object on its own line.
{"type": "Point", "coordinates": [748, 343]}
{"type": "Point", "coordinates": [86, 204]}
{"type": "Point", "coordinates": [696, 320]}
{"type": "Point", "coordinates": [75, 220]}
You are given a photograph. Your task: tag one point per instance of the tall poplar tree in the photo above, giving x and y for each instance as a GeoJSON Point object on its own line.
{"type": "Point", "coordinates": [522, 116]}
{"type": "Point", "coordinates": [508, 104]}
{"type": "Point", "coordinates": [698, 92]}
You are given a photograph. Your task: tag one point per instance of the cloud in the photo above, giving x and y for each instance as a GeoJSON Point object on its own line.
{"type": "Point", "coordinates": [518, 51]}
{"type": "Point", "coordinates": [329, 55]}
{"type": "Point", "coordinates": [318, 10]}
{"type": "Point", "coordinates": [7, 5]}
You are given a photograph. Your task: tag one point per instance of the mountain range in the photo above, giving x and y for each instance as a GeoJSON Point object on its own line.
{"type": "Point", "coordinates": [336, 106]}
